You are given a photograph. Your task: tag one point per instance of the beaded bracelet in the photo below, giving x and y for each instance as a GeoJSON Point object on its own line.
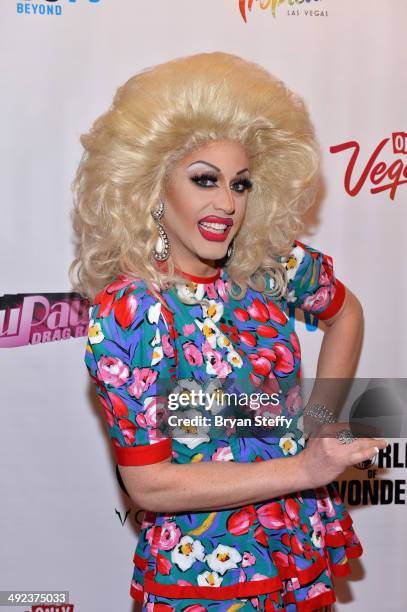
{"type": "Point", "coordinates": [319, 412]}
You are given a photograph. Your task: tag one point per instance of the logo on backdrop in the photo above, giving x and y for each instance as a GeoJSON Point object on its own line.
{"type": "Point", "coordinates": [369, 488]}
{"type": "Point", "coordinates": [293, 8]}
{"type": "Point", "coordinates": [31, 318]}
{"type": "Point", "coordinates": [48, 7]}
{"type": "Point", "coordinates": [377, 175]}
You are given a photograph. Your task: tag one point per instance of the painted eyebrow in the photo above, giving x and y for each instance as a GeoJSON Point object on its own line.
{"type": "Point", "coordinates": [201, 161]}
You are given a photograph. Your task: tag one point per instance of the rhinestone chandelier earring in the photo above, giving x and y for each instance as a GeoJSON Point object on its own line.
{"type": "Point", "coordinates": [162, 246]}
{"type": "Point", "coordinates": [231, 250]}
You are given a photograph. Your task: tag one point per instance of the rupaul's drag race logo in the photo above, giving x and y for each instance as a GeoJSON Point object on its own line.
{"type": "Point", "coordinates": [28, 318]}
{"type": "Point", "coordinates": [48, 7]}
{"type": "Point", "coordinates": [293, 8]}
{"type": "Point", "coordinates": [378, 175]}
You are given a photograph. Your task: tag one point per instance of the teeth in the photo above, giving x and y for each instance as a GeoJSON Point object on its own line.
{"type": "Point", "coordinates": [216, 226]}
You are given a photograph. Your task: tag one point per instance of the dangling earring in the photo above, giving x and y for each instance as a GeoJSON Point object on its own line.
{"type": "Point", "coordinates": [162, 246]}
{"type": "Point", "coordinates": [231, 250]}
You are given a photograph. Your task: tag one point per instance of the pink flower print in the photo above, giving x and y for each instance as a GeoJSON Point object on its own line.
{"type": "Point", "coordinates": [112, 371]}
{"type": "Point", "coordinates": [194, 607]}
{"type": "Point", "coordinates": [223, 370]}
{"type": "Point", "coordinates": [223, 454]}
{"type": "Point", "coordinates": [324, 504]}
{"type": "Point", "coordinates": [294, 400]}
{"type": "Point", "coordinates": [325, 275]}
{"type": "Point", "coordinates": [317, 589]}
{"type": "Point", "coordinates": [334, 527]}
{"type": "Point", "coordinates": [188, 329]}
{"type": "Point", "coordinates": [215, 364]}
{"type": "Point", "coordinates": [192, 354]}
{"type": "Point", "coordinates": [315, 520]}
{"type": "Point", "coordinates": [248, 559]}
{"type": "Point", "coordinates": [222, 290]}
{"type": "Point", "coordinates": [167, 346]}
{"type": "Point", "coordinates": [242, 576]}
{"type": "Point", "coordinates": [319, 300]}
{"type": "Point", "coordinates": [155, 411]}
{"type": "Point", "coordinates": [210, 290]}
{"type": "Point", "coordinates": [170, 535]}
{"type": "Point", "coordinates": [143, 379]}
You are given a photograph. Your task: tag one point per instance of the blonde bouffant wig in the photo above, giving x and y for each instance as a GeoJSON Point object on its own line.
{"type": "Point", "coordinates": [158, 116]}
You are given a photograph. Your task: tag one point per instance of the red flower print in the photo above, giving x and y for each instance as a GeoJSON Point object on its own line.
{"type": "Point", "coordinates": [258, 311]}
{"type": "Point", "coordinates": [105, 298]}
{"type": "Point", "coordinates": [261, 365]}
{"type": "Point", "coordinates": [125, 309]}
{"type": "Point", "coordinates": [285, 360]}
{"type": "Point", "coordinates": [296, 546]}
{"type": "Point", "coordinates": [108, 411]}
{"type": "Point", "coordinates": [128, 430]}
{"type": "Point", "coordinates": [261, 536]}
{"type": "Point", "coordinates": [276, 314]}
{"type": "Point", "coordinates": [241, 314]}
{"type": "Point", "coordinates": [296, 345]}
{"type": "Point", "coordinates": [119, 406]}
{"type": "Point", "coordinates": [292, 509]}
{"type": "Point", "coordinates": [271, 515]}
{"type": "Point", "coordinates": [160, 607]}
{"type": "Point", "coordinates": [267, 331]}
{"type": "Point", "coordinates": [248, 338]}
{"type": "Point", "coordinates": [240, 522]}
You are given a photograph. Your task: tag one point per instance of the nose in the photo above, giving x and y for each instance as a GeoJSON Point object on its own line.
{"type": "Point", "coordinates": [226, 201]}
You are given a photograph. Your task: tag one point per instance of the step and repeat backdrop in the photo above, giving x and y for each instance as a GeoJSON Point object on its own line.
{"type": "Point", "coordinates": [66, 522]}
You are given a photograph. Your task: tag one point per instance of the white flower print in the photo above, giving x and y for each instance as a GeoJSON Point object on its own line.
{"type": "Point", "coordinates": [157, 355]}
{"type": "Point", "coordinates": [295, 258]}
{"type": "Point", "coordinates": [214, 311]}
{"type": "Point", "coordinates": [191, 435]}
{"type": "Point", "coordinates": [290, 296]}
{"type": "Point", "coordinates": [190, 289]}
{"type": "Point", "coordinates": [288, 445]}
{"type": "Point", "coordinates": [209, 330]}
{"type": "Point", "coordinates": [186, 552]}
{"type": "Point", "coordinates": [153, 313]}
{"type": "Point", "coordinates": [234, 359]}
{"type": "Point", "coordinates": [209, 579]}
{"type": "Point", "coordinates": [95, 333]}
{"type": "Point", "coordinates": [223, 558]}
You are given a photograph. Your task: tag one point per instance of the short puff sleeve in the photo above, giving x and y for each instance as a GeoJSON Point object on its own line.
{"type": "Point", "coordinates": [128, 353]}
{"type": "Point", "coordinates": [312, 285]}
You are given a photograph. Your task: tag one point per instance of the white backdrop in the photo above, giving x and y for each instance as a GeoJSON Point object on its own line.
{"type": "Point", "coordinates": [65, 524]}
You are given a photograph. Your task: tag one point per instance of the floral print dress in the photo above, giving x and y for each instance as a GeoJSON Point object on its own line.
{"type": "Point", "coordinates": [277, 554]}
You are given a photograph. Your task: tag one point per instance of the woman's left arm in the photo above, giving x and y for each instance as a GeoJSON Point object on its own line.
{"type": "Point", "coordinates": [338, 359]}
{"type": "Point", "coordinates": [342, 340]}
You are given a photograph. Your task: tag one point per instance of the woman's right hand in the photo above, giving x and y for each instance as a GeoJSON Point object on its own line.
{"type": "Point", "coordinates": [325, 457]}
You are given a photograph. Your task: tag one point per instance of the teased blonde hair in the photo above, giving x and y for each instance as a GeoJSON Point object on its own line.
{"type": "Point", "coordinates": [158, 116]}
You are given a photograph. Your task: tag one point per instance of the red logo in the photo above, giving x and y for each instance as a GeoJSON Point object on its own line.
{"type": "Point", "coordinates": [382, 177]}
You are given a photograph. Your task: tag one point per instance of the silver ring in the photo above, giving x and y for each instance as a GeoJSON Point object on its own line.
{"type": "Point", "coordinates": [345, 436]}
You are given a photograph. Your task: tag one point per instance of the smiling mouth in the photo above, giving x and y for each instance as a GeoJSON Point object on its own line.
{"type": "Point", "coordinates": [217, 228]}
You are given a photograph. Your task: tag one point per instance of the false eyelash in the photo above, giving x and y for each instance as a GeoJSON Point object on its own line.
{"type": "Point", "coordinates": [247, 183]}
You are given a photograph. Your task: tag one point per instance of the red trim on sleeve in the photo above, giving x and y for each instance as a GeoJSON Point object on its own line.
{"type": "Point", "coordinates": [143, 454]}
{"type": "Point", "coordinates": [336, 302]}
